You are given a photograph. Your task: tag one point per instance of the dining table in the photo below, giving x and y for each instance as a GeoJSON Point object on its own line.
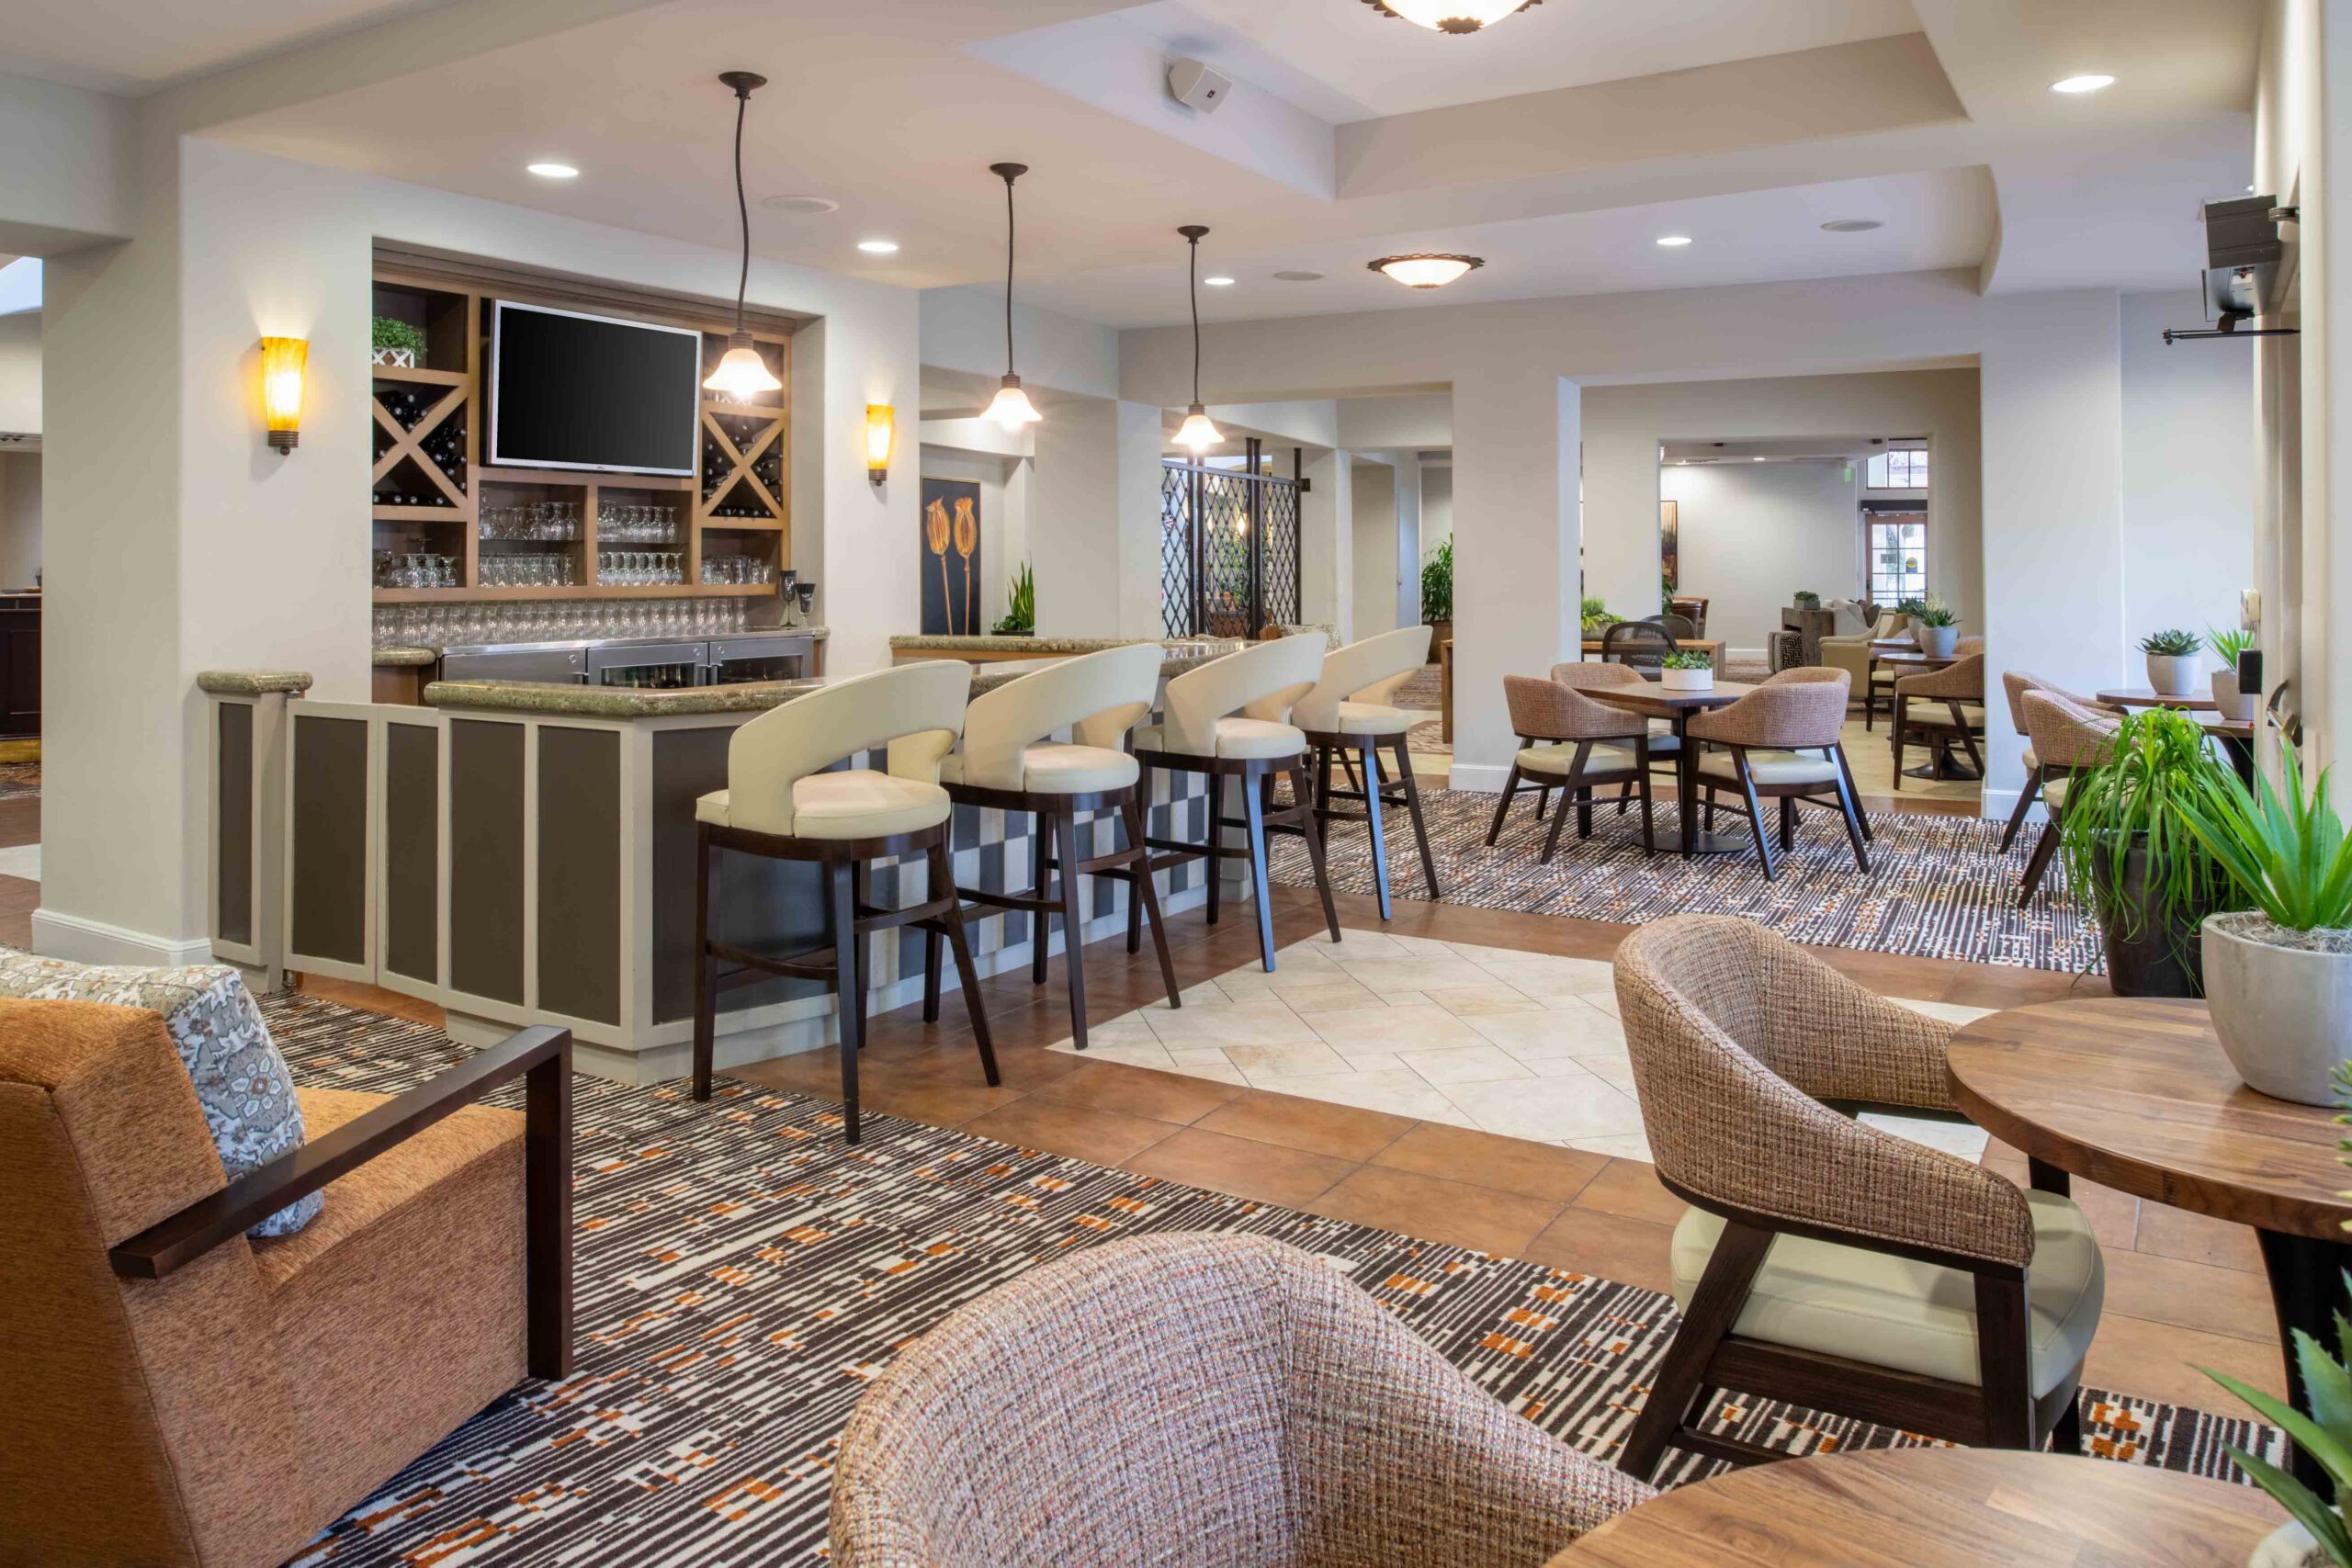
{"type": "Point", "coordinates": [2236, 735]}
{"type": "Point", "coordinates": [1653, 699]}
{"type": "Point", "coordinates": [1908, 659]}
{"type": "Point", "coordinates": [1710, 646]}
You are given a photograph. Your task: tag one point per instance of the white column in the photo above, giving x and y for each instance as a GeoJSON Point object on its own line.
{"type": "Point", "coordinates": [1326, 543]}
{"type": "Point", "coordinates": [1515, 532]}
{"type": "Point", "coordinates": [1137, 519]}
{"type": "Point", "coordinates": [1409, 540]}
{"type": "Point", "coordinates": [1095, 519]}
{"type": "Point", "coordinates": [1372, 546]}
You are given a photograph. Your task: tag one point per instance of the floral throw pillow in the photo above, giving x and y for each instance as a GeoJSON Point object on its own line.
{"type": "Point", "coordinates": [241, 1079]}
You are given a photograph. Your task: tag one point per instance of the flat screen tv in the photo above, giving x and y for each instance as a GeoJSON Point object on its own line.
{"type": "Point", "coordinates": [574, 391]}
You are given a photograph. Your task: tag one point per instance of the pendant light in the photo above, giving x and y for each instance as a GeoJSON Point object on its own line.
{"type": "Point", "coordinates": [741, 373]}
{"type": "Point", "coordinates": [1012, 407]}
{"type": "Point", "coordinates": [1451, 15]}
{"type": "Point", "coordinates": [1426, 271]}
{"type": "Point", "coordinates": [1197, 433]}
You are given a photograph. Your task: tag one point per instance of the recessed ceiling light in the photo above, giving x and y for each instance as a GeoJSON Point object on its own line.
{"type": "Point", "coordinates": [1426, 271]}
{"type": "Point", "coordinates": [1294, 274]}
{"type": "Point", "coordinates": [801, 205]}
{"type": "Point", "coordinates": [1756, 459]}
{"type": "Point", "coordinates": [878, 247]}
{"type": "Point", "coordinates": [2090, 82]}
{"type": "Point", "coordinates": [1217, 282]}
{"type": "Point", "coordinates": [1674, 242]}
{"type": "Point", "coordinates": [1852, 225]}
{"type": "Point", "coordinates": [553, 170]}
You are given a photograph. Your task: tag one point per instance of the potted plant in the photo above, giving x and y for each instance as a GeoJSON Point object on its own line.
{"type": "Point", "coordinates": [2126, 839]}
{"type": "Point", "coordinates": [1806, 599]}
{"type": "Point", "coordinates": [1437, 594]}
{"type": "Point", "coordinates": [2279, 976]}
{"type": "Point", "coordinates": [1936, 626]}
{"type": "Point", "coordinates": [397, 344]}
{"type": "Point", "coordinates": [2172, 661]}
{"type": "Point", "coordinates": [1596, 618]}
{"type": "Point", "coordinates": [1909, 609]}
{"type": "Point", "coordinates": [1019, 605]}
{"type": "Point", "coordinates": [1687, 669]}
{"type": "Point", "coordinates": [2230, 646]}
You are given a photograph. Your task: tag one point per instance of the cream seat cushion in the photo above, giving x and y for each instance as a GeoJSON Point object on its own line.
{"type": "Point", "coordinates": [1772, 767]}
{"type": "Point", "coordinates": [2053, 793]}
{"type": "Point", "coordinates": [854, 804]}
{"type": "Point", "coordinates": [1056, 767]}
{"type": "Point", "coordinates": [1559, 758]}
{"type": "Point", "coordinates": [1373, 718]}
{"type": "Point", "coordinates": [1237, 738]}
{"type": "Point", "coordinates": [2031, 762]}
{"type": "Point", "coordinates": [1931, 712]}
{"type": "Point", "coordinates": [1910, 1316]}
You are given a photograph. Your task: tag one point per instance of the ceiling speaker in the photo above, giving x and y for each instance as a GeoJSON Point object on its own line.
{"type": "Point", "coordinates": [1198, 86]}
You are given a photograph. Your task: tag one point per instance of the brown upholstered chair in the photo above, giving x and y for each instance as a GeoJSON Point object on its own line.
{"type": "Point", "coordinates": [1585, 675]}
{"type": "Point", "coordinates": [2015, 684]}
{"type": "Point", "coordinates": [2067, 737]}
{"type": "Point", "coordinates": [177, 1394]}
{"type": "Point", "coordinates": [1822, 1261]}
{"type": "Point", "coordinates": [1782, 741]}
{"type": "Point", "coordinates": [1574, 744]}
{"type": "Point", "coordinates": [1692, 608]}
{"type": "Point", "coordinates": [1198, 1399]}
{"type": "Point", "coordinates": [1934, 709]}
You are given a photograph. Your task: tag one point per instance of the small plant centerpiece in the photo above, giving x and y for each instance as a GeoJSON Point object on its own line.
{"type": "Point", "coordinates": [2129, 848]}
{"type": "Point", "coordinates": [1937, 627]}
{"type": "Point", "coordinates": [397, 344]}
{"type": "Point", "coordinates": [1019, 605]}
{"type": "Point", "coordinates": [1910, 609]}
{"type": "Point", "coordinates": [1806, 599]}
{"type": "Point", "coordinates": [1437, 594]}
{"type": "Point", "coordinates": [1687, 669]}
{"type": "Point", "coordinates": [2279, 975]}
{"type": "Point", "coordinates": [1596, 618]}
{"type": "Point", "coordinates": [2172, 661]}
{"type": "Point", "coordinates": [2230, 646]}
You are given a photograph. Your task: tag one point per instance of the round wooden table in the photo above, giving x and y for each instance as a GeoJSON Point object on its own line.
{"type": "Point", "coordinates": [2148, 698]}
{"type": "Point", "coordinates": [1936, 1508]}
{"type": "Point", "coordinates": [2135, 1095]}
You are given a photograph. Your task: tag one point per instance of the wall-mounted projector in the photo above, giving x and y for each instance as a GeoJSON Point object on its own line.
{"type": "Point", "coordinates": [1198, 85]}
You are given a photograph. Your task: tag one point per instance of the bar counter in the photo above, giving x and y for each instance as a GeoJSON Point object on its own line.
{"type": "Point", "coordinates": [521, 853]}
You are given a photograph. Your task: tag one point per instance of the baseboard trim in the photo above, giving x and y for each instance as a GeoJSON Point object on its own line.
{"type": "Point", "coordinates": [83, 941]}
{"type": "Point", "coordinates": [1482, 778]}
{"type": "Point", "coordinates": [1997, 805]}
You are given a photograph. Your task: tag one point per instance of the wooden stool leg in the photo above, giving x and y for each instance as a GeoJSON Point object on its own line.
{"type": "Point", "coordinates": [1138, 826]}
{"type": "Point", "coordinates": [845, 980]}
{"type": "Point", "coordinates": [1253, 811]}
{"type": "Point", "coordinates": [1041, 837]}
{"type": "Point", "coordinates": [1788, 821]}
{"type": "Point", "coordinates": [931, 976]}
{"type": "Point", "coordinates": [1073, 922]}
{"type": "Point", "coordinates": [1413, 810]}
{"type": "Point", "coordinates": [861, 887]}
{"type": "Point", "coordinates": [967, 973]}
{"type": "Point", "coordinates": [1143, 895]}
{"type": "Point", "coordinates": [1215, 861]}
{"type": "Point", "coordinates": [1314, 827]}
{"type": "Point", "coordinates": [706, 1002]}
{"type": "Point", "coordinates": [1379, 837]}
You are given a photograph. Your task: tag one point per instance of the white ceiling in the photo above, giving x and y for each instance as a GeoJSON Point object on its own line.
{"type": "Point", "coordinates": [133, 47]}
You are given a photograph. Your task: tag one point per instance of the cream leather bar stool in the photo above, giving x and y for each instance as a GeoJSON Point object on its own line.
{"type": "Point", "coordinates": [1346, 717]}
{"type": "Point", "coordinates": [780, 805]}
{"type": "Point", "coordinates": [1231, 720]}
{"type": "Point", "coordinates": [1007, 763]}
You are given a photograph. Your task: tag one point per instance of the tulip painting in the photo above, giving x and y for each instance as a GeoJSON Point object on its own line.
{"type": "Point", "coordinates": [951, 537]}
{"type": "Point", "coordinates": [968, 544]}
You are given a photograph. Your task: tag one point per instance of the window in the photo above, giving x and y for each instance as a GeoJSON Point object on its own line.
{"type": "Point", "coordinates": [1898, 556]}
{"type": "Point", "coordinates": [1898, 471]}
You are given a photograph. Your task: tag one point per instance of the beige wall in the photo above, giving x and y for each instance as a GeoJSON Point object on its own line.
{"type": "Point", "coordinates": [19, 519]}
{"type": "Point", "coordinates": [1753, 534]}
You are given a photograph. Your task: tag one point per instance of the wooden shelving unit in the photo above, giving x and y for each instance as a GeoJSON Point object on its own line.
{"type": "Point", "coordinates": [431, 487]}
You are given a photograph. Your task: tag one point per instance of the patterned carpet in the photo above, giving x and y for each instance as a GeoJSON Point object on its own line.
{"type": "Point", "coordinates": [742, 1276]}
{"type": "Point", "coordinates": [1937, 886]}
{"type": "Point", "coordinates": [19, 779]}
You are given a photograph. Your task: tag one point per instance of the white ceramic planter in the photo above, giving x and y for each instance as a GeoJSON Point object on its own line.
{"type": "Point", "coordinates": [2289, 1546]}
{"type": "Point", "coordinates": [1937, 641]}
{"type": "Point", "coordinates": [397, 359]}
{"type": "Point", "coordinates": [2228, 701]}
{"type": "Point", "coordinates": [2284, 1014]}
{"type": "Point", "coordinates": [2174, 674]}
{"type": "Point", "coordinates": [1687, 679]}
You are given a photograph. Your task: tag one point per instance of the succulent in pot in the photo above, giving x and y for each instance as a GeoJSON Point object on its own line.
{"type": "Point", "coordinates": [1687, 670]}
{"type": "Point", "coordinates": [2172, 661]}
{"type": "Point", "coordinates": [2128, 846]}
{"type": "Point", "coordinates": [1909, 610]}
{"type": "Point", "coordinates": [2315, 1535]}
{"type": "Point", "coordinates": [1806, 599]}
{"type": "Point", "coordinates": [2230, 646]}
{"type": "Point", "coordinates": [1596, 618]}
{"type": "Point", "coordinates": [2278, 974]}
{"type": "Point", "coordinates": [1937, 627]}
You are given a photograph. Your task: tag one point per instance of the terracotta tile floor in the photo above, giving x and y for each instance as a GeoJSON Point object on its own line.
{"type": "Point", "coordinates": [2183, 1292]}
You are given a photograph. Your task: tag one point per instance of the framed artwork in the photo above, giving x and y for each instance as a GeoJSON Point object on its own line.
{"type": "Point", "coordinates": [1669, 543]}
{"type": "Point", "coordinates": [950, 561]}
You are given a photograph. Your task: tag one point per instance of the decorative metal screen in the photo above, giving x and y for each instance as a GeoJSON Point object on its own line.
{"type": "Point", "coordinates": [1228, 550]}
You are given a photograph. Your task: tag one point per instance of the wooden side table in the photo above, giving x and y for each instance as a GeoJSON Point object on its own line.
{"type": "Point", "coordinates": [1445, 691]}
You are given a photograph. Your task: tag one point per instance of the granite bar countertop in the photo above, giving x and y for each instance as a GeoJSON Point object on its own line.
{"type": "Point", "coordinates": [252, 683]}
{"type": "Point", "coordinates": [406, 658]}
{"type": "Point", "coordinates": [417, 656]}
{"type": "Point", "coordinates": [1191, 650]}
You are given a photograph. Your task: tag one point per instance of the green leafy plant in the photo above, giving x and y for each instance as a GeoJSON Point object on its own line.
{"type": "Point", "coordinates": [1807, 596]}
{"type": "Point", "coordinates": [1688, 659]}
{"type": "Point", "coordinates": [1437, 584]}
{"type": "Point", "coordinates": [1597, 615]}
{"type": "Point", "coordinates": [2283, 850]}
{"type": "Point", "coordinates": [2172, 643]}
{"type": "Point", "coordinates": [390, 333]}
{"type": "Point", "coordinates": [1020, 605]}
{"type": "Point", "coordinates": [2325, 1435]}
{"type": "Point", "coordinates": [1933, 612]}
{"type": "Point", "coordinates": [2229, 647]}
{"type": "Point", "coordinates": [2152, 777]}
{"type": "Point", "coordinates": [1911, 607]}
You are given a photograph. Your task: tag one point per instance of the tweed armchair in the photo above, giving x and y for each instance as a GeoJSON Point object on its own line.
{"type": "Point", "coordinates": [1573, 743]}
{"type": "Point", "coordinates": [1201, 1400]}
{"type": "Point", "coordinates": [1932, 709]}
{"type": "Point", "coordinates": [1824, 1262]}
{"type": "Point", "coordinates": [1769, 740]}
{"type": "Point", "coordinates": [2015, 684]}
{"type": "Point", "coordinates": [1852, 652]}
{"type": "Point", "coordinates": [2066, 737]}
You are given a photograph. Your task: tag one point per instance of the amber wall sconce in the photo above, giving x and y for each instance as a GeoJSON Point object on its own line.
{"type": "Point", "coordinates": [282, 363]}
{"type": "Point", "coordinates": [881, 429]}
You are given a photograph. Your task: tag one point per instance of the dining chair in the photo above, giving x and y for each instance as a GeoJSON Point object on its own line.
{"type": "Point", "coordinates": [1588, 675]}
{"type": "Point", "coordinates": [1691, 608]}
{"type": "Point", "coordinates": [1782, 741]}
{"type": "Point", "coordinates": [1347, 715]}
{"type": "Point", "coordinates": [1822, 1260]}
{"type": "Point", "coordinates": [786, 800]}
{"type": "Point", "coordinates": [1008, 763]}
{"type": "Point", "coordinates": [2015, 684]}
{"type": "Point", "coordinates": [1682, 628]}
{"type": "Point", "coordinates": [1231, 720]}
{"type": "Point", "coordinates": [1574, 744]}
{"type": "Point", "coordinates": [1941, 719]}
{"type": "Point", "coordinates": [1201, 1400]}
{"type": "Point", "coordinates": [2068, 737]}
{"type": "Point", "coordinates": [1642, 645]}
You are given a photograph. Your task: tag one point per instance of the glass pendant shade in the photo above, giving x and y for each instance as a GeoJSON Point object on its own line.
{"type": "Point", "coordinates": [1426, 272]}
{"type": "Point", "coordinates": [741, 373]}
{"type": "Point", "coordinates": [1451, 15]}
{"type": "Point", "coordinates": [1012, 407]}
{"type": "Point", "coordinates": [1197, 433]}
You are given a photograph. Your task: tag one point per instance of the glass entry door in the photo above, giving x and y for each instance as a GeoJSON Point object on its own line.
{"type": "Point", "coordinates": [1898, 556]}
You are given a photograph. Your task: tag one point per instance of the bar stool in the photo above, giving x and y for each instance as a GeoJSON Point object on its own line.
{"type": "Point", "coordinates": [779, 805]}
{"type": "Point", "coordinates": [1231, 720]}
{"type": "Point", "coordinates": [1346, 717]}
{"type": "Point", "coordinates": [1006, 763]}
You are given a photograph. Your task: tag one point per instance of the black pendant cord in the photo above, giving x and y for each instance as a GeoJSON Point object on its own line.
{"type": "Point", "coordinates": [1193, 288]}
{"type": "Point", "coordinates": [742, 206]}
{"type": "Point", "coordinates": [1008, 274]}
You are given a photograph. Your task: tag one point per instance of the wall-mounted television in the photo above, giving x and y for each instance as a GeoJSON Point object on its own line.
{"type": "Point", "coordinates": [569, 390]}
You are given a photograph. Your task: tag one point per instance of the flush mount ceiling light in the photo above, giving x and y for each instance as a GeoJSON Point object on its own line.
{"type": "Point", "coordinates": [1197, 433]}
{"type": "Point", "coordinates": [1012, 408]}
{"type": "Point", "coordinates": [1217, 282]}
{"type": "Point", "coordinates": [1451, 15]}
{"type": "Point", "coordinates": [1295, 274]}
{"type": "Point", "coordinates": [741, 373]}
{"type": "Point", "coordinates": [1852, 225]}
{"type": "Point", "coordinates": [1674, 242]}
{"type": "Point", "coordinates": [1425, 272]}
{"type": "Point", "coordinates": [553, 170]}
{"type": "Point", "coordinates": [878, 247]}
{"type": "Point", "coordinates": [801, 205]}
{"type": "Point", "coordinates": [2090, 82]}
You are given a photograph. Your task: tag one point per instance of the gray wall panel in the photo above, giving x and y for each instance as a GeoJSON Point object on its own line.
{"type": "Point", "coordinates": [412, 850]}
{"type": "Point", "coordinates": [233, 799]}
{"type": "Point", "coordinates": [580, 872]}
{"type": "Point", "coordinates": [486, 858]}
{"type": "Point", "coordinates": [330, 811]}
